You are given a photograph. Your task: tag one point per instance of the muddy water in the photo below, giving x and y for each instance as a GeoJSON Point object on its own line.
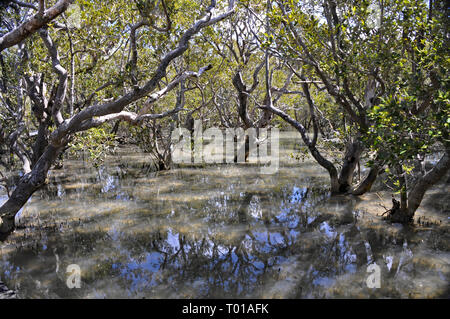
{"type": "Point", "coordinates": [219, 231]}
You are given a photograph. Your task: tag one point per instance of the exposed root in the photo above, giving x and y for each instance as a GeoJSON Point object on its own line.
{"type": "Point", "coordinates": [396, 214]}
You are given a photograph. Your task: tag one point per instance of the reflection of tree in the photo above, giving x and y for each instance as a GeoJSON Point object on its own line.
{"type": "Point", "coordinates": [240, 243]}
{"type": "Point", "coordinates": [242, 211]}
{"type": "Point", "coordinates": [232, 267]}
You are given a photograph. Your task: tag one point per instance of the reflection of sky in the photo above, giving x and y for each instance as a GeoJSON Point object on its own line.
{"type": "Point", "coordinates": [111, 183]}
{"type": "Point", "coordinates": [347, 257]}
{"type": "Point", "coordinates": [289, 209]}
{"type": "Point", "coordinates": [255, 209]}
{"type": "Point", "coordinates": [322, 281]}
{"type": "Point", "coordinates": [140, 273]}
{"type": "Point", "coordinates": [297, 194]}
{"type": "Point", "coordinates": [216, 258]}
{"type": "Point", "coordinates": [328, 230]}
{"type": "Point", "coordinates": [241, 271]}
{"type": "Point", "coordinates": [256, 242]}
{"type": "Point", "coordinates": [3, 199]}
{"type": "Point", "coordinates": [61, 191]}
{"type": "Point", "coordinates": [173, 240]}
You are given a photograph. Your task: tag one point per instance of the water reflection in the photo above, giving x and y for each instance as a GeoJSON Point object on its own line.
{"type": "Point", "coordinates": [213, 232]}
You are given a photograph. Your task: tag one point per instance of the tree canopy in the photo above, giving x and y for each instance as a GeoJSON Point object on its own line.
{"type": "Point", "coordinates": [363, 83]}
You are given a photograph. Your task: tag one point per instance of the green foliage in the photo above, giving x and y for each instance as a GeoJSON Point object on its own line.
{"type": "Point", "coordinates": [396, 43]}
{"type": "Point", "coordinates": [96, 142]}
{"type": "Point", "coordinates": [414, 114]}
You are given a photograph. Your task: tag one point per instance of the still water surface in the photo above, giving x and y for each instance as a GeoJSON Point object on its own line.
{"type": "Point", "coordinates": [222, 231]}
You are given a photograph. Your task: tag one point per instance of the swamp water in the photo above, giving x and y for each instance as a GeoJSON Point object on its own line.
{"type": "Point", "coordinates": [222, 231]}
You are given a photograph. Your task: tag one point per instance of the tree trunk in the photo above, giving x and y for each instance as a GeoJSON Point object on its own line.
{"type": "Point", "coordinates": [403, 191]}
{"type": "Point", "coordinates": [332, 171]}
{"type": "Point", "coordinates": [365, 186]}
{"type": "Point", "coordinates": [406, 213]}
{"type": "Point", "coordinates": [243, 100]}
{"type": "Point", "coordinates": [27, 185]}
{"type": "Point", "coordinates": [415, 196]}
{"type": "Point", "coordinates": [41, 141]}
{"type": "Point", "coordinates": [351, 159]}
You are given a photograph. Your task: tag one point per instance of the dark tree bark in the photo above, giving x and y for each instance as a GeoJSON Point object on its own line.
{"type": "Point", "coordinates": [95, 115]}
{"type": "Point", "coordinates": [366, 184]}
{"type": "Point", "coordinates": [30, 26]}
{"type": "Point", "coordinates": [351, 159]}
{"type": "Point", "coordinates": [410, 201]}
{"type": "Point", "coordinates": [27, 185]}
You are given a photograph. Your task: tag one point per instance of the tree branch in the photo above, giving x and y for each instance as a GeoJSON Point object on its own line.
{"type": "Point", "coordinates": [33, 24]}
{"type": "Point", "coordinates": [136, 119]}
{"type": "Point", "coordinates": [62, 74]}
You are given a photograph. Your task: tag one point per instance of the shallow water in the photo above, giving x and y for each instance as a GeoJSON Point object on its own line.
{"type": "Point", "coordinates": [218, 232]}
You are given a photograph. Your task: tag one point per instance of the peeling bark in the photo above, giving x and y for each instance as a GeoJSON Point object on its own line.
{"type": "Point", "coordinates": [30, 26]}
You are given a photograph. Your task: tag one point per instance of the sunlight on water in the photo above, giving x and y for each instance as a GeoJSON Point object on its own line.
{"type": "Point", "coordinates": [223, 231]}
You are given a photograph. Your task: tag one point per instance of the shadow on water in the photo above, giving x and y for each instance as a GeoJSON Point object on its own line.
{"type": "Point", "coordinates": [214, 232]}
